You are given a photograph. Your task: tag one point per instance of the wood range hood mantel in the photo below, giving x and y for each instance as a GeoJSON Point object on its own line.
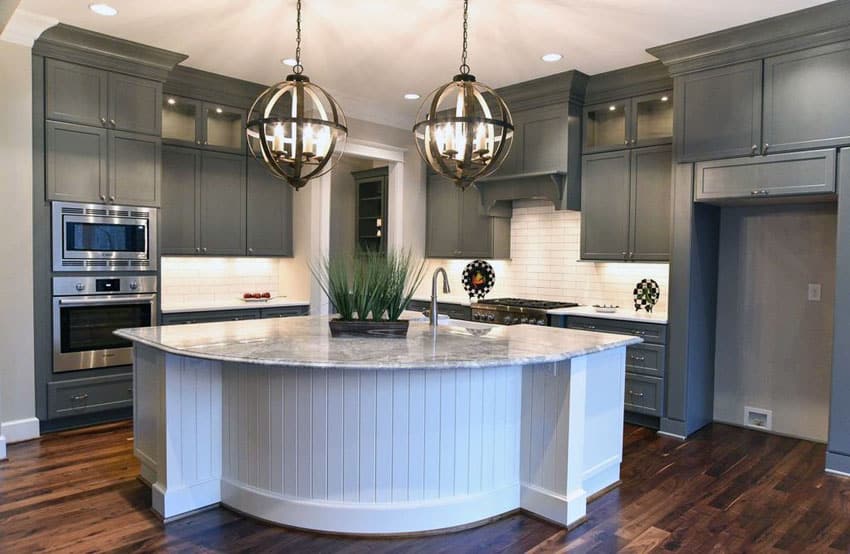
{"type": "Point", "coordinates": [497, 193]}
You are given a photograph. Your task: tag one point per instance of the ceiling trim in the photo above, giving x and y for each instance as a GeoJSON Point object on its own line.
{"type": "Point", "coordinates": [25, 27]}
{"type": "Point", "coordinates": [645, 78]}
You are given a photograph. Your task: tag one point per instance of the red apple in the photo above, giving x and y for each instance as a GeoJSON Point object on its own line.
{"type": "Point", "coordinates": [247, 295]}
{"type": "Point", "coordinates": [267, 295]}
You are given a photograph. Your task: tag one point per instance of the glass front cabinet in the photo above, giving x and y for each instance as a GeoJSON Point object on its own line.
{"type": "Point", "coordinates": [190, 122]}
{"type": "Point", "coordinates": [631, 123]}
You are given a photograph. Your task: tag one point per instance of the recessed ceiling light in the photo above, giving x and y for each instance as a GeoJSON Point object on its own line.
{"type": "Point", "coordinates": [411, 96]}
{"type": "Point", "coordinates": [612, 108]}
{"type": "Point", "coordinates": [103, 9]}
{"type": "Point", "coordinates": [664, 99]}
{"type": "Point", "coordinates": [289, 61]}
{"type": "Point", "coordinates": [218, 110]}
{"type": "Point", "coordinates": [171, 101]}
{"type": "Point", "coordinates": [553, 57]}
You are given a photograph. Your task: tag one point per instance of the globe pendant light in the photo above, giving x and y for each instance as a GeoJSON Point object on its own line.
{"type": "Point", "coordinates": [464, 129]}
{"type": "Point", "coordinates": [295, 127]}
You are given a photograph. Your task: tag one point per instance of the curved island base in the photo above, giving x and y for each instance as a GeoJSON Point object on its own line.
{"type": "Point", "coordinates": [420, 441]}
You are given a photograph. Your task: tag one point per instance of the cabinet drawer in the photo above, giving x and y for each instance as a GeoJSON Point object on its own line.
{"type": "Point", "coordinates": [83, 396]}
{"type": "Point", "coordinates": [647, 359]}
{"type": "Point", "coordinates": [796, 174]}
{"type": "Point", "coordinates": [644, 395]}
{"type": "Point", "coordinates": [649, 332]}
{"type": "Point", "coordinates": [454, 311]}
{"type": "Point", "coordinates": [287, 311]}
{"type": "Point", "coordinates": [418, 305]}
{"type": "Point", "coordinates": [207, 317]}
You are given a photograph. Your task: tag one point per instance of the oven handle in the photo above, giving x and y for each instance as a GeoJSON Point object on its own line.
{"type": "Point", "coordinates": [124, 299]}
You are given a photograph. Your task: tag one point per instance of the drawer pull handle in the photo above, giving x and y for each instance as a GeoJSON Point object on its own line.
{"type": "Point", "coordinates": [80, 397]}
{"type": "Point", "coordinates": [638, 358]}
{"type": "Point", "coordinates": [637, 394]}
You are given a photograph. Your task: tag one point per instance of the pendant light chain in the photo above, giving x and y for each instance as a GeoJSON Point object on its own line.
{"type": "Point", "coordinates": [464, 68]}
{"type": "Point", "coordinates": [298, 68]}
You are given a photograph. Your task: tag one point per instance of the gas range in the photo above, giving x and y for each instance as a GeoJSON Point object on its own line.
{"type": "Point", "coordinates": [511, 311]}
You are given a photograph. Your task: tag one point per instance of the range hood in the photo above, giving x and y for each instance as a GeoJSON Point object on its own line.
{"type": "Point", "coordinates": [545, 158]}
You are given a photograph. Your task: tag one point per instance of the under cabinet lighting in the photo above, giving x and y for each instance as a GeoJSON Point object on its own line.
{"type": "Point", "coordinates": [553, 57]}
{"type": "Point", "coordinates": [218, 110]}
{"type": "Point", "coordinates": [612, 108]}
{"type": "Point", "coordinates": [103, 9]}
{"type": "Point", "coordinates": [411, 96]}
{"type": "Point", "coordinates": [171, 101]}
{"type": "Point", "coordinates": [664, 99]}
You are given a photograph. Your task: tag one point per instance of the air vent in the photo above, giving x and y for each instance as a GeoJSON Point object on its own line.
{"type": "Point", "coordinates": [119, 263]}
{"type": "Point", "coordinates": [143, 215]}
{"type": "Point", "coordinates": [75, 211]}
{"type": "Point", "coordinates": [72, 264]}
{"type": "Point", "coordinates": [137, 263]}
{"type": "Point", "coordinates": [89, 263]}
{"type": "Point", "coordinates": [90, 211]}
{"type": "Point", "coordinates": [118, 213]}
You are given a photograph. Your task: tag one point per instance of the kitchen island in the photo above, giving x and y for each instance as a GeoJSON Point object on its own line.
{"type": "Point", "coordinates": [452, 426]}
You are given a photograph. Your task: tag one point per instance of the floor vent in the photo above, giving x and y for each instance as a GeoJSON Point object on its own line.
{"type": "Point", "coordinates": [758, 418]}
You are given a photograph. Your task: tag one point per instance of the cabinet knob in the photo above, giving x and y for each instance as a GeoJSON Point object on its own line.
{"type": "Point", "coordinates": [103, 197]}
{"type": "Point", "coordinates": [764, 149]}
{"type": "Point", "coordinates": [204, 249]}
{"type": "Point", "coordinates": [112, 122]}
{"type": "Point", "coordinates": [624, 253]}
{"type": "Point", "coordinates": [634, 140]}
{"type": "Point", "coordinates": [206, 142]}
{"type": "Point", "coordinates": [197, 249]}
{"type": "Point", "coordinates": [198, 142]}
{"type": "Point", "coordinates": [626, 142]}
{"type": "Point", "coordinates": [103, 121]}
{"type": "Point", "coordinates": [755, 149]}
{"type": "Point", "coordinates": [112, 198]}
{"type": "Point", "coordinates": [250, 250]}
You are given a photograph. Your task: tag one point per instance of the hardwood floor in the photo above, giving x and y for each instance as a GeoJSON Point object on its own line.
{"type": "Point", "coordinates": [724, 490]}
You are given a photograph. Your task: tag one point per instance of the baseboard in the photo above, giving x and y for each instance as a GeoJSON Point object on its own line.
{"type": "Point", "coordinates": [740, 425]}
{"type": "Point", "coordinates": [20, 430]}
{"type": "Point", "coordinates": [838, 464]}
{"type": "Point", "coordinates": [2, 447]}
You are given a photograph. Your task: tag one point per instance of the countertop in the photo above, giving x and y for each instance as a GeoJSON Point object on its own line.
{"type": "Point", "coordinates": [621, 314]}
{"type": "Point", "coordinates": [306, 342]}
{"type": "Point", "coordinates": [235, 304]}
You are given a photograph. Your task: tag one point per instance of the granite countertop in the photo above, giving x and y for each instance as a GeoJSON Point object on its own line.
{"type": "Point", "coordinates": [306, 342]}
{"type": "Point", "coordinates": [621, 314]}
{"type": "Point", "coordinates": [235, 304]}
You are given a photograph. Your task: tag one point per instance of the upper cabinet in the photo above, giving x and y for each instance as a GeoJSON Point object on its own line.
{"type": "Point", "coordinates": [540, 141]}
{"type": "Point", "coordinates": [190, 122]}
{"type": "Point", "coordinates": [88, 96]}
{"type": "Point", "coordinates": [718, 113]}
{"type": "Point", "coordinates": [634, 122]}
{"type": "Point", "coordinates": [371, 188]}
{"type": "Point", "coordinates": [269, 213]}
{"type": "Point", "coordinates": [794, 101]}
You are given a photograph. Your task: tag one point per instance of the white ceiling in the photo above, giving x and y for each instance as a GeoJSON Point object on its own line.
{"type": "Point", "coordinates": [369, 53]}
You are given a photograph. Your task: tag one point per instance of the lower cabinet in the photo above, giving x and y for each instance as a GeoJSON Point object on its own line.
{"type": "Point", "coordinates": [183, 318]}
{"type": "Point", "coordinates": [89, 395]}
{"type": "Point", "coordinates": [456, 226]}
{"type": "Point", "coordinates": [626, 205]}
{"type": "Point", "coordinates": [646, 364]}
{"type": "Point", "coordinates": [775, 175]}
{"type": "Point", "coordinates": [454, 311]}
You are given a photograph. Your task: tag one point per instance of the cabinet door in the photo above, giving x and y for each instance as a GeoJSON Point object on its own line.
{"type": "Point", "coordinates": [606, 126]}
{"type": "Point", "coordinates": [134, 169]}
{"type": "Point", "coordinates": [222, 204]}
{"type": "Point", "coordinates": [652, 119]}
{"type": "Point", "coordinates": [605, 206]}
{"type": "Point", "coordinates": [135, 104]}
{"type": "Point", "coordinates": [224, 128]}
{"type": "Point", "coordinates": [476, 229]}
{"type": "Point", "coordinates": [806, 95]}
{"type": "Point", "coordinates": [544, 139]}
{"type": "Point", "coordinates": [651, 176]}
{"type": "Point", "coordinates": [789, 174]}
{"type": "Point", "coordinates": [269, 214]}
{"type": "Point", "coordinates": [443, 227]}
{"type": "Point", "coordinates": [182, 121]}
{"type": "Point", "coordinates": [76, 160]}
{"type": "Point", "coordinates": [179, 223]}
{"type": "Point", "coordinates": [718, 113]}
{"type": "Point", "coordinates": [75, 93]}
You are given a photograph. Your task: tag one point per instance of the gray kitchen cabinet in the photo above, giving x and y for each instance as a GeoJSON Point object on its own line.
{"type": "Point", "coordinates": [269, 213]}
{"type": "Point", "coordinates": [370, 215]}
{"type": "Point", "coordinates": [134, 169]}
{"type": "Point", "coordinates": [540, 141]}
{"type": "Point", "coordinates": [718, 112]}
{"type": "Point", "coordinates": [182, 121]}
{"type": "Point", "coordinates": [605, 196]}
{"type": "Point", "coordinates": [181, 176]}
{"type": "Point", "coordinates": [76, 93]}
{"type": "Point", "coordinates": [222, 204]}
{"type": "Point", "coordinates": [457, 227]}
{"type": "Point", "coordinates": [208, 316]}
{"type": "Point", "coordinates": [76, 160]}
{"type": "Point", "coordinates": [645, 120]}
{"type": "Point", "coordinates": [776, 175]}
{"type": "Point", "coordinates": [651, 204]}
{"type": "Point", "coordinates": [644, 395]}
{"type": "Point", "coordinates": [89, 395]}
{"type": "Point", "coordinates": [134, 104]}
{"type": "Point", "coordinates": [450, 309]}
{"type": "Point", "coordinates": [206, 125]}
{"type": "Point", "coordinates": [626, 200]}
{"type": "Point", "coordinates": [284, 311]}
{"type": "Point", "coordinates": [806, 95]}
{"type": "Point", "coordinates": [223, 127]}
{"type": "Point", "coordinates": [87, 96]}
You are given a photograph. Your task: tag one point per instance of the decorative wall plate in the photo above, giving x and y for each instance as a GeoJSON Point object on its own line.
{"type": "Point", "coordinates": [646, 294]}
{"type": "Point", "coordinates": [478, 278]}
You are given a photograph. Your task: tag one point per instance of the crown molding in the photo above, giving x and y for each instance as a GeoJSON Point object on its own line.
{"type": "Point", "coordinates": [808, 28]}
{"type": "Point", "coordinates": [212, 87]}
{"type": "Point", "coordinates": [568, 86]}
{"type": "Point", "coordinates": [635, 80]}
{"type": "Point", "coordinates": [73, 44]}
{"type": "Point", "coordinates": [25, 27]}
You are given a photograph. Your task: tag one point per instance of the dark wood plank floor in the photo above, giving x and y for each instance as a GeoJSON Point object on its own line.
{"type": "Point", "coordinates": [724, 490]}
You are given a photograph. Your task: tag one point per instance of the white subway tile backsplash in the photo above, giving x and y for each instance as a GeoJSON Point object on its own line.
{"type": "Point", "coordinates": [212, 280]}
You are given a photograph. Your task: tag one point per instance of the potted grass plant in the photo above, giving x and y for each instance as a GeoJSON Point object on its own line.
{"type": "Point", "coordinates": [369, 291]}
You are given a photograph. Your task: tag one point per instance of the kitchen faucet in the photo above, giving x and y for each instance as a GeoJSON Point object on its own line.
{"type": "Point", "coordinates": [433, 316]}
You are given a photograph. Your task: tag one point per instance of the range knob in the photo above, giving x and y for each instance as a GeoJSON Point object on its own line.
{"type": "Point", "coordinates": [491, 317]}
{"type": "Point", "coordinates": [524, 320]}
{"type": "Point", "coordinates": [508, 320]}
{"type": "Point", "coordinates": [541, 322]}
{"type": "Point", "coordinates": [476, 317]}
{"type": "Point", "coordinates": [79, 285]}
{"type": "Point", "coordinates": [134, 285]}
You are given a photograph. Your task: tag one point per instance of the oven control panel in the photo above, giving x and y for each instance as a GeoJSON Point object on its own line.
{"type": "Point", "coordinates": [504, 315]}
{"type": "Point", "coordinates": [81, 286]}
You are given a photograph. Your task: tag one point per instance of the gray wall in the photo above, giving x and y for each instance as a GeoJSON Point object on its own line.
{"type": "Point", "coordinates": [343, 240]}
{"type": "Point", "coordinates": [774, 347]}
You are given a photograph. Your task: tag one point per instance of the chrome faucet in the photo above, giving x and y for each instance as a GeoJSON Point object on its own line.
{"type": "Point", "coordinates": [433, 316]}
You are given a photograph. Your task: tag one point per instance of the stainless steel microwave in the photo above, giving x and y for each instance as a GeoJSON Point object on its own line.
{"type": "Point", "coordinates": [98, 237]}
